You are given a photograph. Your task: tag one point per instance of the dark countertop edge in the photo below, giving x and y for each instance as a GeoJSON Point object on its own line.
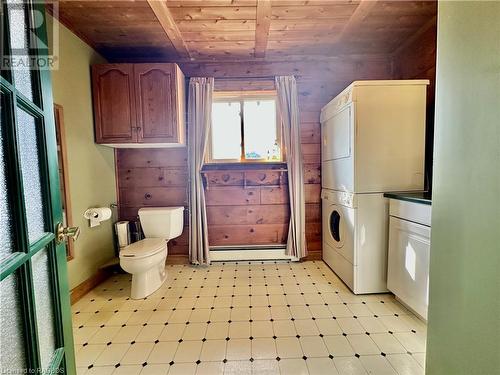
{"type": "Point", "coordinates": [244, 166]}
{"type": "Point", "coordinates": [410, 197]}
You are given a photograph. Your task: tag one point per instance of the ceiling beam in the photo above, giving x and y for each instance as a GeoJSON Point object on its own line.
{"type": "Point", "coordinates": [262, 27]}
{"type": "Point", "coordinates": [162, 13]}
{"type": "Point", "coordinates": [362, 11]}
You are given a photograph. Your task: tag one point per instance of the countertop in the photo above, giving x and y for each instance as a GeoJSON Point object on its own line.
{"type": "Point", "coordinates": [423, 197]}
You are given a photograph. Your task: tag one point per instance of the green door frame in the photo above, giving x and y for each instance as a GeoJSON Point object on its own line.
{"type": "Point", "coordinates": [19, 262]}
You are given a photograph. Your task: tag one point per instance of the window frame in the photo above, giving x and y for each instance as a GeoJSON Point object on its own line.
{"type": "Point", "coordinates": [241, 96]}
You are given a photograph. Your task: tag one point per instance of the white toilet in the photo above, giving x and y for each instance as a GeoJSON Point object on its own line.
{"type": "Point", "coordinates": [145, 259]}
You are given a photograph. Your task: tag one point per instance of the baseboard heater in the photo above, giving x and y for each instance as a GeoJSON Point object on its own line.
{"type": "Point", "coordinates": [248, 253]}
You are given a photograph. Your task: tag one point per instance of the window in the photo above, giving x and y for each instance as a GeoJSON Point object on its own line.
{"type": "Point", "coordinates": [244, 129]}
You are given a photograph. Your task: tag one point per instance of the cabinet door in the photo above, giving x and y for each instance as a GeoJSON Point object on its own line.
{"type": "Point", "coordinates": [408, 263]}
{"type": "Point", "coordinates": [114, 103]}
{"type": "Point", "coordinates": [156, 98]}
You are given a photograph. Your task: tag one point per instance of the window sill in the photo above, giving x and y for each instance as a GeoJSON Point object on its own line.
{"type": "Point", "coordinates": [244, 166]}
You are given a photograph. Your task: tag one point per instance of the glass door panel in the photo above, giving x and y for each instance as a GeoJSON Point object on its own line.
{"type": "Point", "coordinates": [12, 348]}
{"type": "Point", "coordinates": [30, 167]}
{"type": "Point", "coordinates": [44, 302]}
{"type": "Point", "coordinates": [6, 227]}
{"type": "Point", "coordinates": [19, 33]}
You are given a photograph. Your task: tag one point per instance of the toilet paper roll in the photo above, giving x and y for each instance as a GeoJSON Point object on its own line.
{"type": "Point", "coordinates": [97, 215]}
{"type": "Point", "coordinates": [122, 233]}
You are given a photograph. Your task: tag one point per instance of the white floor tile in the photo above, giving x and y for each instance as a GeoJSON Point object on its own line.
{"type": "Point", "coordinates": [172, 332]}
{"type": "Point", "coordinates": [320, 311]}
{"type": "Point", "coordinates": [155, 369]}
{"type": "Point", "coordinates": [195, 331]}
{"type": "Point", "coordinates": [363, 344]}
{"type": "Point", "coordinates": [83, 335]}
{"type": "Point", "coordinates": [405, 364]}
{"type": "Point", "coordinates": [377, 365]}
{"type": "Point", "coordinates": [288, 347]}
{"type": "Point", "coordinates": [372, 324]}
{"type": "Point", "coordinates": [188, 351]}
{"type": "Point", "coordinates": [388, 343]}
{"type": "Point", "coordinates": [128, 370]}
{"type": "Point", "coordinates": [394, 323]}
{"type": "Point", "coordinates": [127, 334]}
{"type": "Point", "coordinates": [210, 368]}
{"type": "Point", "coordinates": [88, 354]}
{"type": "Point", "coordinates": [263, 348]}
{"type": "Point", "coordinates": [359, 309]}
{"type": "Point", "coordinates": [159, 317]}
{"type": "Point", "coordinates": [239, 330]}
{"type": "Point", "coordinates": [213, 350]}
{"type": "Point", "coordinates": [137, 353]}
{"type": "Point", "coordinates": [261, 329]}
{"type": "Point", "coordinates": [238, 368]}
{"type": "Point", "coordinates": [293, 367]}
{"type": "Point", "coordinates": [163, 352]}
{"type": "Point", "coordinates": [265, 367]}
{"type": "Point", "coordinates": [340, 311]}
{"type": "Point", "coordinates": [349, 366]}
{"type": "Point", "coordinates": [284, 328]}
{"type": "Point", "coordinates": [350, 325]}
{"type": "Point", "coordinates": [313, 346]}
{"type": "Point", "coordinates": [300, 312]}
{"type": "Point", "coordinates": [413, 342]}
{"type": "Point", "coordinates": [99, 370]}
{"type": "Point", "coordinates": [338, 346]}
{"type": "Point", "coordinates": [112, 354]}
{"type": "Point", "coordinates": [150, 333]}
{"type": "Point", "coordinates": [328, 326]}
{"type": "Point", "coordinates": [238, 349]}
{"type": "Point", "coordinates": [321, 366]}
{"type": "Point", "coordinates": [217, 330]}
{"type": "Point", "coordinates": [306, 327]}
{"type": "Point", "coordinates": [420, 358]}
{"type": "Point", "coordinates": [182, 369]}
{"type": "Point", "coordinates": [270, 332]}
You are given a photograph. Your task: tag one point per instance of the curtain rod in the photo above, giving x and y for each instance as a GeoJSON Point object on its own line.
{"type": "Point", "coordinates": [263, 78]}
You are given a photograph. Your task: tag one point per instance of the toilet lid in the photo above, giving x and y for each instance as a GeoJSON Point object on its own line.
{"type": "Point", "coordinates": [143, 248]}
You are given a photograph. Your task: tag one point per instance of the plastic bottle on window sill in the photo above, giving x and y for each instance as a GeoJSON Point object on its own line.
{"type": "Point", "coordinates": [276, 151]}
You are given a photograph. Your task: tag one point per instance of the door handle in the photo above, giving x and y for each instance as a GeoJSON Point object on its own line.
{"type": "Point", "coordinates": [62, 233]}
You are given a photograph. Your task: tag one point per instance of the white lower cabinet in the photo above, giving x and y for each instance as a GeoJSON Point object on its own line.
{"type": "Point", "coordinates": [408, 263]}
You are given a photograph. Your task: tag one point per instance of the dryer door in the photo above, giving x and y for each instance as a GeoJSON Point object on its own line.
{"type": "Point", "coordinates": [337, 151]}
{"type": "Point", "coordinates": [338, 229]}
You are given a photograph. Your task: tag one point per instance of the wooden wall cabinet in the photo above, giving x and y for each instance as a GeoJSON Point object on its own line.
{"type": "Point", "coordinates": [139, 105]}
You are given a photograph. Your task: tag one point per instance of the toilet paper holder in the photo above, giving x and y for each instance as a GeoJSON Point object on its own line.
{"type": "Point", "coordinates": [96, 215]}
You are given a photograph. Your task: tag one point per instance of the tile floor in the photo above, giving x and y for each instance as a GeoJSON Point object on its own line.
{"type": "Point", "coordinates": [243, 318]}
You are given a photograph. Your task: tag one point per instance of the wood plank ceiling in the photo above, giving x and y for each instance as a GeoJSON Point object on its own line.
{"type": "Point", "coordinates": [251, 30]}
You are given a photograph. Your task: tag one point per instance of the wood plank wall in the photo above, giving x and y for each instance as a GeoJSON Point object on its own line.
{"type": "Point", "coordinates": [257, 214]}
{"type": "Point", "coordinates": [418, 61]}
{"type": "Point", "coordinates": [247, 207]}
{"type": "Point", "coordinates": [153, 177]}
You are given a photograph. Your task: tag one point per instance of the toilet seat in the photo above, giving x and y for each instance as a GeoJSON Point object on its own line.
{"type": "Point", "coordinates": [144, 248]}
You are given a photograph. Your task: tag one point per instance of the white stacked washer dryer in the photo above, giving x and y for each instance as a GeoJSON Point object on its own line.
{"type": "Point", "coordinates": [373, 141]}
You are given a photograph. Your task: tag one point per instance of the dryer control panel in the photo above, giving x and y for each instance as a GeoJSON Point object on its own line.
{"type": "Point", "coordinates": [343, 198]}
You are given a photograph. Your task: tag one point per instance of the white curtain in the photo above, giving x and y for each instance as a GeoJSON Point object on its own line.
{"type": "Point", "coordinates": [199, 123]}
{"type": "Point", "coordinates": [288, 105]}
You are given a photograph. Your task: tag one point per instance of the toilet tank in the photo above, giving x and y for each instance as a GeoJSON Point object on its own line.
{"type": "Point", "coordinates": [162, 222]}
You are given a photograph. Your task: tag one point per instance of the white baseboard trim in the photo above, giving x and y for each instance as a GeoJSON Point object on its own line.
{"type": "Point", "coordinates": [249, 255]}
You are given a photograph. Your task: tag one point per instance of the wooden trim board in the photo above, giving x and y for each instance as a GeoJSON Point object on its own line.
{"type": "Point", "coordinates": [80, 290]}
{"type": "Point", "coordinates": [177, 259]}
{"type": "Point", "coordinates": [64, 172]}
